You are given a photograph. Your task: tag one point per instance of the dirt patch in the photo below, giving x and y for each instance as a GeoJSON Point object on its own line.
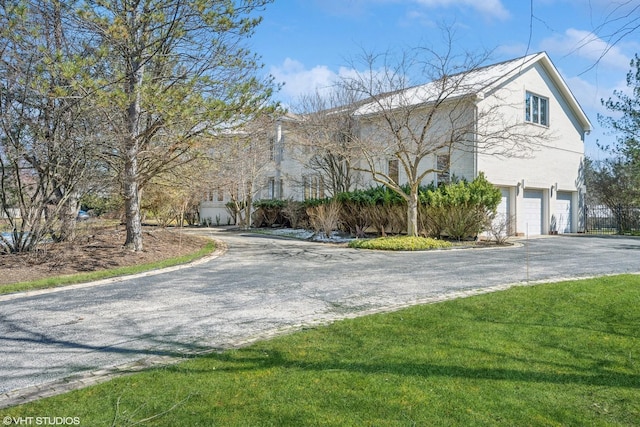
{"type": "Point", "coordinates": [96, 247]}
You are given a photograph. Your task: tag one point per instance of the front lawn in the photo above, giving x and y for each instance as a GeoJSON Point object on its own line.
{"type": "Point", "coordinates": [565, 354]}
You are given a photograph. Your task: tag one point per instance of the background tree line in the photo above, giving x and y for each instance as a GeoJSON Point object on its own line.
{"type": "Point", "coordinates": [615, 181]}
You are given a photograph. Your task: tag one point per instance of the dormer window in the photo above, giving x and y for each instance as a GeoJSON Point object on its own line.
{"type": "Point", "coordinates": [536, 109]}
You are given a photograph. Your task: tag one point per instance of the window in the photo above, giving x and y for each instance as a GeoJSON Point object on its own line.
{"type": "Point", "coordinates": [272, 148]}
{"type": "Point", "coordinates": [393, 171]}
{"type": "Point", "coordinates": [307, 187]}
{"type": "Point", "coordinates": [536, 109]}
{"type": "Point", "coordinates": [313, 187]}
{"type": "Point", "coordinates": [271, 188]}
{"type": "Point", "coordinates": [220, 194]}
{"type": "Point", "coordinates": [442, 165]}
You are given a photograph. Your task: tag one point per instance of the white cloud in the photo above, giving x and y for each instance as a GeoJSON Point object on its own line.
{"type": "Point", "coordinates": [587, 45]}
{"type": "Point", "coordinates": [491, 8]}
{"type": "Point", "coordinates": [299, 80]}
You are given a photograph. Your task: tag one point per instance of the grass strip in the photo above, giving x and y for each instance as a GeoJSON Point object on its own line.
{"type": "Point", "coordinates": [52, 282]}
{"type": "Point", "coordinates": [547, 355]}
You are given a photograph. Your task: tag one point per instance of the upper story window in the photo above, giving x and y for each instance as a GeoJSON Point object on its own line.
{"type": "Point", "coordinates": [536, 109]}
{"type": "Point", "coordinates": [313, 187]}
{"type": "Point", "coordinates": [394, 173]}
{"type": "Point", "coordinates": [272, 148]}
{"type": "Point", "coordinates": [443, 163]}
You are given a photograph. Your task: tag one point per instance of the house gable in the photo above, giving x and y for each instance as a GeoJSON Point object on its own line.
{"type": "Point", "coordinates": [545, 67]}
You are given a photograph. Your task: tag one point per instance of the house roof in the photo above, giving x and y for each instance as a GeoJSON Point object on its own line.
{"type": "Point", "coordinates": [477, 82]}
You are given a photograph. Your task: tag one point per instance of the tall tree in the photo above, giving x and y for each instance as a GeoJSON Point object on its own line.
{"type": "Point", "coordinates": [175, 70]}
{"type": "Point", "coordinates": [404, 126]}
{"type": "Point", "coordinates": [616, 181]}
{"type": "Point", "coordinates": [626, 123]}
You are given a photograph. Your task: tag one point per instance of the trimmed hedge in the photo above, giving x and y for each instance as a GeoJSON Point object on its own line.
{"type": "Point", "coordinates": [458, 210]}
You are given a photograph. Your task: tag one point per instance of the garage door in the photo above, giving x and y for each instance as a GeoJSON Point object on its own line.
{"type": "Point", "coordinates": [503, 207]}
{"type": "Point", "coordinates": [533, 212]}
{"type": "Point", "coordinates": [562, 213]}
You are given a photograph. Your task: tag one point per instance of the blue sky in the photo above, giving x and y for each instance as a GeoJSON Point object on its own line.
{"type": "Point", "coordinates": [308, 43]}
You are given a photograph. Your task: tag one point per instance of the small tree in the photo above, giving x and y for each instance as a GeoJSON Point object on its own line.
{"type": "Point", "coordinates": [613, 182]}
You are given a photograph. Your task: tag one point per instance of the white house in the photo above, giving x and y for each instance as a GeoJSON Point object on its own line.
{"type": "Point", "coordinates": [541, 179]}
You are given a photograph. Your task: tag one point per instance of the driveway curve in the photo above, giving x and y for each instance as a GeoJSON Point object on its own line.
{"type": "Point", "coordinates": [69, 337]}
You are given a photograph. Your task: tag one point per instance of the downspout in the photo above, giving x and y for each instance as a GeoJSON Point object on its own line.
{"type": "Point", "coordinates": [278, 159]}
{"type": "Point", "coordinates": [479, 97]}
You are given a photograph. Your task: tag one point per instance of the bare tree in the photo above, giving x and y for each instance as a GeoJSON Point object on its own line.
{"type": "Point", "coordinates": [411, 124]}
{"type": "Point", "coordinates": [325, 130]}
{"type": "Point", "coordinates": [619, 20]}
{"type": "Point", "coordinates": [239, 161]}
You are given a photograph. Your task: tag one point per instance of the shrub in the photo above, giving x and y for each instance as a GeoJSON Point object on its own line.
{"type": "Point", "coordinates": [324, 217]}
{"type": "Point", "coordinates": [295, 213]}
{"type": "Point", "coordinates": [100, 205]}
{"type": "Point", "coordinates": [400, 243]}
{"type": "Point", "coordinates": [378, 207]}
{"type": "Point", "coordinates": [355, 212]}
{"type": "Point", "coordinates": [500, 228]}
{"type": "Point", "coordinates": [268, 212]}
{"type": "Point", "coordinates": [461, 210]}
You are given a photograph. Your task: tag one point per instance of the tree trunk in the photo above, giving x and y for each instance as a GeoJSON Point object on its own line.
{"type": "Point", "coordinates": [412, 213]}
{"type": "Point", "coordinates": [131, 192]}
{"type": "Point", "coordinates": [131, 185]}
{"type": "Point", "coordinates": [68, 214]}
{"type": "Point", "coordinates": [247, 214]}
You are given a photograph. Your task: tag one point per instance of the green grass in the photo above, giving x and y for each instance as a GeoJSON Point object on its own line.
{"type": "Point", "coordinates": [565, 354]}
{"type": "Point", "coordinates": [57, 281]}
{"type": "Point", "coordinates": [400, 243]}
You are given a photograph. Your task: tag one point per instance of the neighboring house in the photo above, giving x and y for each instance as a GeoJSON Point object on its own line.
{"type": "Point", "coordinates": [543, 192]}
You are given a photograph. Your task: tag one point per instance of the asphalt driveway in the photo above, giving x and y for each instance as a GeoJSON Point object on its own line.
{"type": "Point", "coordinates": [259, 287]}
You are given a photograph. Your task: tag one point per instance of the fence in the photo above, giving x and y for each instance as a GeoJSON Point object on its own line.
{"type": "Point", "coordinates": [601, 219]}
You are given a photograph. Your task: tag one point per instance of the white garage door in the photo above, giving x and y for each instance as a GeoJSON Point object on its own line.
{"type": "Point", "coordinates": [503, 207]}
{"type": "Point", "coordinates": [501, 223]}
{"type": "Point", "coordinates": [533, 212]}
{"type": "Point", "coordinates": [562, 213]}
